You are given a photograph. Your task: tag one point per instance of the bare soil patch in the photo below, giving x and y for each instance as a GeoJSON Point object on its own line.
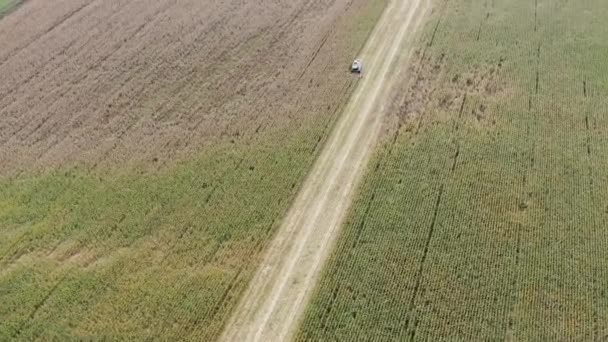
{"type": "Point", "coordinates": [430, 88]}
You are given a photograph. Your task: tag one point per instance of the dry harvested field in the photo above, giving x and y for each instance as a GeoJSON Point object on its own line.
{"type": "Point", "coordinates": [103, 83]}
{"type": "Point", "coordinates": [148, 151]}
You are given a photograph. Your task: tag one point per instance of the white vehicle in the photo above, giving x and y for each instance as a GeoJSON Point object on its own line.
{"type": "Point", "coordinates": [357, 66]}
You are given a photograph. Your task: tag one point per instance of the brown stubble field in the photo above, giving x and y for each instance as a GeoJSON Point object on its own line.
{"type": "Point", "coordinates": [148, 151]}
{"type": "Point", "coordinates": [108, 82]}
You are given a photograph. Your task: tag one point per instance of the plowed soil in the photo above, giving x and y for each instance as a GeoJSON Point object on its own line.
{"type": "Point", "coordinates": [103, 83]}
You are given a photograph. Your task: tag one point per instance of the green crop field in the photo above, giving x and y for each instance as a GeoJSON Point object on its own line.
{"type": "Point", "coordinates": [484, 217]}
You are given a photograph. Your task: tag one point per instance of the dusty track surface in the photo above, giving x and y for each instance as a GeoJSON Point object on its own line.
{"type": "Point", "coordinates": [273, 305]}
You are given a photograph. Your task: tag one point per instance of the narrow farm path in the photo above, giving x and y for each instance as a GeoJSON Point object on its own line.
{"type": "Point", "coordinates": [272, 306]}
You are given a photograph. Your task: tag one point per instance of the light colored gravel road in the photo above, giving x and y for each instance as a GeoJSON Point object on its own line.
{"type": "Point", "coordinates": [272, 307]}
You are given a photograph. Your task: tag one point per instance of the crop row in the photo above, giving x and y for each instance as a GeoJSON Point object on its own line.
{"type": "Point", "coordinates": [483, 218]}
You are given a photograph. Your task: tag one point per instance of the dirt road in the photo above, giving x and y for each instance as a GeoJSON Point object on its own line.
{"type": "Point", "coordinates": [275, 301]}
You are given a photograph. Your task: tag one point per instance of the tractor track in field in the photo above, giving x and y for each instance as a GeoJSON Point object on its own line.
{"type": "Point", "coordinates": [274, 303]}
